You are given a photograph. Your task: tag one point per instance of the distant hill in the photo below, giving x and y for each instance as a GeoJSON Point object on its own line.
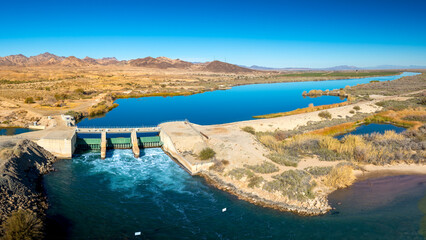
{"type": "Point", "coordinates": [47, 59]}
{"type": "Point", "coordinates": [218, 66]}
{"type": "Point", "coordinates": [160, 62]}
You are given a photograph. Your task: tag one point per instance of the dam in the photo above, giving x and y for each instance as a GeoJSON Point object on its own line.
{"type": "Point", "coordinates": [122, 138]}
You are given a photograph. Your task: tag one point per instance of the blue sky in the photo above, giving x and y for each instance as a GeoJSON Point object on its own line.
{"type": "Point", "coordinates": [267, 33]}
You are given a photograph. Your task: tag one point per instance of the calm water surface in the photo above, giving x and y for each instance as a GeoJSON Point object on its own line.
{"type": "Point", "coordinates": [373, 128]}
{"type": "Point", "coordinates": [116, 197]}
{"type": "Point", "coordinates": [236, 104]}
{"type": "Point", "coordinates": [13, 131]}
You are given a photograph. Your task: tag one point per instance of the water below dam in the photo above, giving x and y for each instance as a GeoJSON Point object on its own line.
{"type": "Point", "coordinates": [117, 197]}
{"type": "Point", "coordinates": [114, 198]}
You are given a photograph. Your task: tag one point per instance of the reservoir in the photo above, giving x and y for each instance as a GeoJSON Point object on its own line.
{"type": "Point", "coordinates": [224, 106]}
{"type": "Point", "coordinates": [114, 198]}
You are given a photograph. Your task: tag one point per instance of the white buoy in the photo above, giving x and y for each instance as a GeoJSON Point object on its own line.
{"type": "Point", "coordinates": [138, 233]}
{"type": "Point", "coordinates": [224, 210]}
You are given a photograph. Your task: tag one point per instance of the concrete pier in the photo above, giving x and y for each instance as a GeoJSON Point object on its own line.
{"type": "Point", "coordinates": [103, 145]}
{"type": "Point", "coordinates": [135, 144]}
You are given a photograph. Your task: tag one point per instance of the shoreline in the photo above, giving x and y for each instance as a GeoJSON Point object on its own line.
{"type": "Point", "coordinates": [120, 95]}
{"type": "Point", "coordinates": [279, 206]}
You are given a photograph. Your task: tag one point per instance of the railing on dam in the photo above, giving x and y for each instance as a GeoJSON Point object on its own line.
{"type": "Point", "coordinates": [117, 129]}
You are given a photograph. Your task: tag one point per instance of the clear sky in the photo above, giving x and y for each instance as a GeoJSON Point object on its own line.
{"type": "Point", "coordinates": [267, 33]}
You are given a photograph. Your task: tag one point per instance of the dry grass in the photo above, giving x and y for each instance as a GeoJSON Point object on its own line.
{"type": "Point", "coordinates": [337, 129]}
{"type": "Point", "coordinates": [378, 149]}
{"type": "Point", "coordinates": [22, 224]}
{"type": "Point", "coordinates": [340, 177]}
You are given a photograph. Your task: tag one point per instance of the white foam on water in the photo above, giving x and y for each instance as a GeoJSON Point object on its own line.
{"type": "Point", "coordinates": [124, 172]}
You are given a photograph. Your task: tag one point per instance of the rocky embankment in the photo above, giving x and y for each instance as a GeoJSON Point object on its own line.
{"type": "Point", "coordinates": [21, 166]}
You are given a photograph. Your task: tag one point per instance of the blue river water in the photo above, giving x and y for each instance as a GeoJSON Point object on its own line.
{"type": "Point", "coordinates": [117, 197]}
{"type": "Point", "coordinates": [13, 131]}
{"type": "Point", "coordinates": [224, 106]}
{"type": "Point", "coordinates": [114, 198]}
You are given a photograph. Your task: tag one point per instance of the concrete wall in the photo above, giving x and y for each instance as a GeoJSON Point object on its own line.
{"type": "Point", "coordinates": [169, 147]}
{"type": "Point", "coordinates": [61, 148]}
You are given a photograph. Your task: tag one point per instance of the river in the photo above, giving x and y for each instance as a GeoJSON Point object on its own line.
{"type": "Point", "coordinates": [117, 197]}
{"type": "Point", "coordinates": [224, 106]}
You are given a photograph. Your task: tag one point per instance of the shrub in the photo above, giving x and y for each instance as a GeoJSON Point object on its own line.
{"type": "Point", "coordinates": [325, 114]}
{"type": "Point", "coordinates": [265, 167]}
{"type": "Point", "coordinates": [284, 159]}
{"type": "Point", "coordinates": [295, 184]}
{"type": "Point", "coordinates": [239, 173]}
{"type": "Point", "coordinates": [29, 100]}
{"type": "Point", "coordinates": [270, 142]}
{"type": "Point", "coordinates": [249, 130]}
{"type": "Point", "coordinates": [206, 153]}
{"type": "Point", "coordinates": [357, 108]}
{"type": "Point", "coordinates": [340, 177]}
{"type": "Point", "coordinates": [22, 224]}
{"type": "Point", "coordinates": [60, 96]}
{"type": "Point", "coordinates": [352, 111]}
{"type": "Point", "coordinates": [318, 171]}
{"type": "Point", "coordinates": [79, 91]}
{"type": "Point", "coordinates": [255, 181]}
{"type": "Point", "coordinates": [219, 166]}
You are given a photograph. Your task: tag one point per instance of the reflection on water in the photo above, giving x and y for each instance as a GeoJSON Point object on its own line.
{"type": "Point", "coordinates": [236, 104]}
{"type": "Point", "coordinates": [373, 128]}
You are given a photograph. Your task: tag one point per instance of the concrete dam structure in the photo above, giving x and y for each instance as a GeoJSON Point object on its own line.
{"type": "Point", "coordinates": [97, 139]}
{"type": "Point", "coordinates": [64, 141]}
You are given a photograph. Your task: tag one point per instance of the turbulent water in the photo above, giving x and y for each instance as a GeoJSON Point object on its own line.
{"type": "Point", "coordinates": [116, 197]}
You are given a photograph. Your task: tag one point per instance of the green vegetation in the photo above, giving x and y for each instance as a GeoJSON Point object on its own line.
{"type": "Point", "coordinates": [325, 114]}
{"type": "Point", "coordinates": [101, 108]}
{"type": "Point", "coordinates": [378, 149]}
{"type": "Point", "coordinates": [295, 184]}
{"type": "Point", "coordinates": [284, 158]}
{"type": "Point", "coordinates": [419, 118]}
{"type": "Point", "coordinates": [255, 181]}
{"type": "Point", "coordinates": [206, 153]}
{"type": "Point", "coordinates": [219, 166]}
{"type": "Point", "coordinates": [342, 74]}
{"type": "Point", "coordinates": [239, 173]}
{"type": "Point", "coordinates": [29, 100]}
{"type": "Point", "coordinates": [249, 130]}
{"type": "Point", "coordinates": [401, 105]}
{"type": "Point", "coordinates": [22, 224]}
{"type": "Point", "coordinates": [388, 88]}
{"type": "Point", "coordinates": [357, 108]}
{"type": "Point", "coordinates": [318, 171]}
{"type": "Point", "coordinates": [265, 167]}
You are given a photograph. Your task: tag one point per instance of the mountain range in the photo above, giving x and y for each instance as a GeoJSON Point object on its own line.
{"type": "Point", "coordinates": [47, 59]}
{"type": "Point", "coordinates": [337, 68]}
